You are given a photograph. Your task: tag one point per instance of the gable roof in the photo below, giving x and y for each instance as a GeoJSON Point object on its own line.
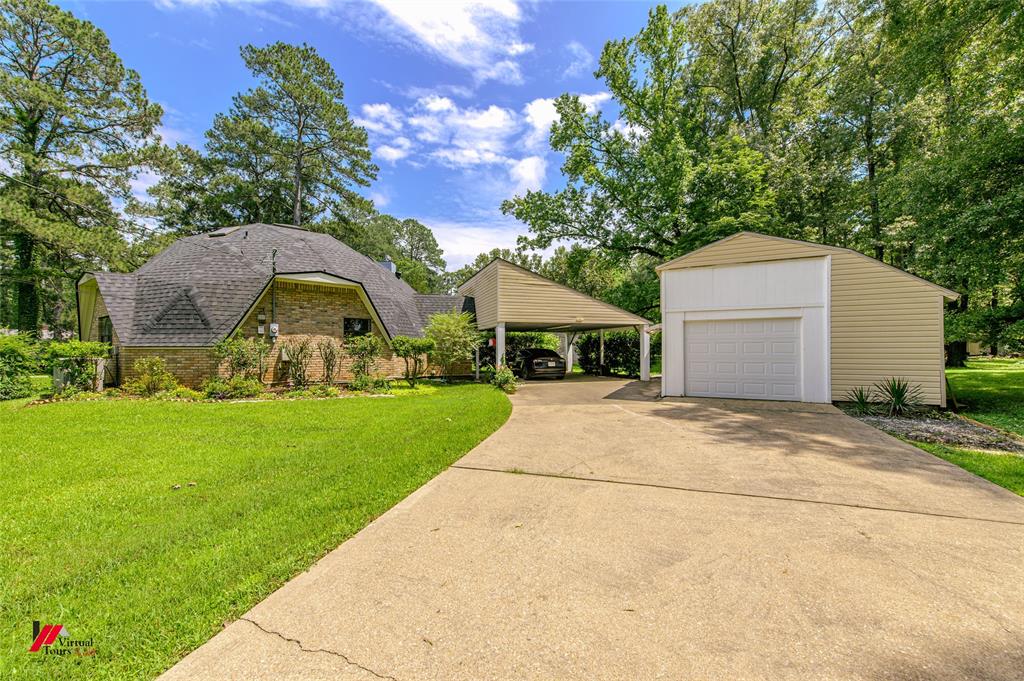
{"type": "Point", "coordinates": [199, 289]}
{"type": "Point", "coordinates": [524, 299]}
{"type": "Point", "coordinates": [807, 249]}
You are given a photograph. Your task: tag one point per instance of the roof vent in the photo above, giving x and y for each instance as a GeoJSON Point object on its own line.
{"type": "Point", "coordinates": [389, 265]}
{"type": "Point", "coordinates": [223, 231]}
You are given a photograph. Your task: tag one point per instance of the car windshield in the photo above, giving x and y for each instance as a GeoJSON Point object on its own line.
{"type": "Point", "coordinates": [542, 352]}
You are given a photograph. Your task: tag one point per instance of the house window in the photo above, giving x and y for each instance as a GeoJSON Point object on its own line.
{"type": "Point", "coordinates": [106, 330]}
{"type": "Point", "coordinates": [356, 326]}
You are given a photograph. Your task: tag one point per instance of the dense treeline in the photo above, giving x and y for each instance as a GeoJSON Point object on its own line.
{"type": "Point", "coordinates": [894, 128]}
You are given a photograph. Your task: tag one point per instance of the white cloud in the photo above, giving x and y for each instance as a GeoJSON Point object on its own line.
{"type": "Point", "coordinates": [580, 62]}
{"type": "Point", "coordinates": [464, 136]}
{"type": "Point", "coordinates": [380, 118]}
{"type": "Point", "coordinates": [481, 36]}
{"type": "Point", "coordinates": [398, 148]}
{"type": "Point", "coordinates": [462, 242]}
{"type": "Point", "coordinates": [540, 114]}
{"type": "Point", "coordinates": [528, 174]}
{"type": "Point", "coordinates": [380, 199]}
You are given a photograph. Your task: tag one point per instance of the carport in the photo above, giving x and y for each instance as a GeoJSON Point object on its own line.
{"type": "Point", "coordinates": [508, 297]}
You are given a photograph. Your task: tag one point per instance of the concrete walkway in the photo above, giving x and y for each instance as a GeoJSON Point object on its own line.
{"type": "Point", "coordinates": [604, 534]}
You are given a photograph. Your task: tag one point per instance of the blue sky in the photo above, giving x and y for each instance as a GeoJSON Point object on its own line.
{"type": "Point", "coordinates": [456, 97]}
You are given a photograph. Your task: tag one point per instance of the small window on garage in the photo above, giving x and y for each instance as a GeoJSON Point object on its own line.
{"type": "Point", "coordinates": [106, 330]}
{"type": "Point", "coordinates": [356, 326]}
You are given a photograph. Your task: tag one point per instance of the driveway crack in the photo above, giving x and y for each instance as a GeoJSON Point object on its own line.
{"type": "Point", "coordinates": [304, 649]}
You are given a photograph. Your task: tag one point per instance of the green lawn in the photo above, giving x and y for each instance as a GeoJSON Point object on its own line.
{"type": "Point", "coordinates": [93, 536]}
{"type": "Point", "coordinates": [990, 391]}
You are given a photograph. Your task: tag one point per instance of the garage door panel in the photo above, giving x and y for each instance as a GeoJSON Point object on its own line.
{"type": "Point", "coordinates": [748, 358]}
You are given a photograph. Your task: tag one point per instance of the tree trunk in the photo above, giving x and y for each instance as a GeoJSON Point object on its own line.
{"type": "Point", "coordinates": [28, 295]}
{"type": "Point", "coordinates": [870, 157]}
{"type": "Point", "coordinates": [956, 351]}
{"type": "Point", "coordinates": [297, 185]}
{"type": "Point", "coordinates": [994, 347]}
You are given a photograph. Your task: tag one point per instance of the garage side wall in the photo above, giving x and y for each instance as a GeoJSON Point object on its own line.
{"type": "Point", "coordinates": [884, 324]}
{"type": "Point", "coordinates": [483, 288]}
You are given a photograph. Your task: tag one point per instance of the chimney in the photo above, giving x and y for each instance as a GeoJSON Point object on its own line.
{"type": "Point", "coordinates": [389, 265]}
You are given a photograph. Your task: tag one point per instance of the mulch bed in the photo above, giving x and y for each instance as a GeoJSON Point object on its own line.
{"type": "Point", "coordinates": [946, 429]}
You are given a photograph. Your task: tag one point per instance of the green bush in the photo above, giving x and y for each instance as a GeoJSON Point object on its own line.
{"type": "Point", "coordinates": [300, 354]}
{"type": "Point", "coordinates": [364, 351]}
{"type": "Point", "coordinates": [78, 361]}
{"type": "Point", "coordinates": [17, 360]}
{"type": "Point", "coordinates": [898, 396]}
{"type": "Point", "coordinates": [413, 351]}
{"type": "Point", "coordinates": [329, 354]}
{"type": "Point", "coordinates": [235, 388]}
{"type": "Point", "coordinates": [505, 380]}
{"type": "Point", "coordinates": [181, 393]}
{"type": "Point", "coordinates": [152, 377]}
{"type": "Point", "coordinates": [621, 352]}
{"type": "Point", "coordinates": [371, 383]}
{"type": "Point", "coordinates": [861, 400]}
{"type": "Point", "coordinates": [455, 337]}
{"type": "Point", "coordinates": [243, 356]}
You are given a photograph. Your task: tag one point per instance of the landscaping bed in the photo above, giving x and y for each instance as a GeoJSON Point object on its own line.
{"type": "Point", "coordinates": [945, 428]}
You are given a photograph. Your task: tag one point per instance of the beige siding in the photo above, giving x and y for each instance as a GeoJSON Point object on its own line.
{"type": "Point", "coordinates": [483, 288]}
{"type": "Point", "coordinates": [884, 322]}
{"type": "Point", "coordinates": [526, 298]}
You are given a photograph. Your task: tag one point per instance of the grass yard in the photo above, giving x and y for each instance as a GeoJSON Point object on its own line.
{"type": "Point", "coordinates": [990, 391]}
{"type": "Point", "coordinates": [93, 536]}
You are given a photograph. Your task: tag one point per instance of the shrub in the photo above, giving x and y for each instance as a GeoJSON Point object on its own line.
{"type": "Point", "coordinates": [412, 351]}
{"type": "Point", "coordinates": [377, 383]}
{"type": "Point", "coordinates": [152, 378]}
{"type": "Point", "coordinates": [505, 380]}
{"type": "Point", "coordinates": [78, 361]}
{"type": "Point", "coordinates": [235, 388]}
{"type": "Point", "coordinates": [364, 350]}
{"type": "Point", "coordinates": [898, 396]}
{"type": "Point", "coordinates": [181, 393]}
{"type": "Point", "coordinates": [300, 353]}
{"type": "Point", "coordinates": [17, 360]}
{"type": "Point", "coordinates": [243, 356]}
{"type": "Point", "coordinates": [621, 352]}
{"type": "Point", "coordinates": [455, 339]}
{"type": "Point", "coordinates": [861, 400]}
{"type": "Point", "coordinates": [329, 352]}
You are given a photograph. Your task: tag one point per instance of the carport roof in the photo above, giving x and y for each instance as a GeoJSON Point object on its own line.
{"type": "Point", "coordinates": [524, 300]}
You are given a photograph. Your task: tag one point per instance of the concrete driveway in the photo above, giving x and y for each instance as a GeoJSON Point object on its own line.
{"type": "Point", "coordinates": [603, 534]}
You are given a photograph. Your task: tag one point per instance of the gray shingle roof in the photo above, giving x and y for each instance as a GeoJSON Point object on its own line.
{"type": "Point", "coordinates": [198, 290]}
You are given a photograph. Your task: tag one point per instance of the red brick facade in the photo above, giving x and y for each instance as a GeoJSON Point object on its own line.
{"type": "Point", "coordinates": [313, 310]}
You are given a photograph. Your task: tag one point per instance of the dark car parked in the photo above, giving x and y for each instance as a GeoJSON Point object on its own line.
{"type": "Point", "coordinates": [538, 363]}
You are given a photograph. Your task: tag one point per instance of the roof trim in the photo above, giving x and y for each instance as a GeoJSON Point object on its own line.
{"type": "Point", "coordinates": [638, 318]}
{"type": "Point", "coordinates": [671, 264]}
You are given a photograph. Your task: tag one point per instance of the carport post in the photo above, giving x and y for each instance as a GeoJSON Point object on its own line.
{"type": "Point", "coordinates": [476, 362]}
{"type": "Point", "coordinates": [600, 336]}
{"type": "Point", "coordinates": [499, 345]}
{"type": "Point", "coordinates": [645, 353]}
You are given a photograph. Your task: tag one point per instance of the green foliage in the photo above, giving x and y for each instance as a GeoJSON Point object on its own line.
{"type": "Point", "coordinates": [455, 338]}
{"type": "Point", "coordinates": [245, 357]}
{"type": "Point", "coordinates": [370, 383]}
{"type": "Point", "coordinates": [621, 352]}
{"type": "Point", "coordinates": [235, 388]}
{"type": "Point", "coordinates": [300, 354]}
{"type": "Point", "coordinates": [77, 359]}
{"type": "Point", "coordinates": [364, 351]}
{"type": "Point", "coordinates": [898, 396]}
{"type": "Point", "coordinates": [504, 380]}
{"type": "Point", "coordinates": [181, 393]}
{"type": "Point", "coordinates": [413, 352]}
{"type": "Point", "coordinates": [329, 352]}
{"type": "Point", "coordinates": [75, 128]}
{"type": "Point", "coordinates": [17, 361]}
{"type": "Point", "coordinates": [152, 377]}
{"type": "Point", "coordinates": [861, 400]}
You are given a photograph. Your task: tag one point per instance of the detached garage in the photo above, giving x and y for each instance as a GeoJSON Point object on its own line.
{"type": "Point", "coordinates": [760, 317]}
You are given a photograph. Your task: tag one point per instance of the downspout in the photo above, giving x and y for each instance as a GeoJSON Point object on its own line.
{"type": "Point", "coordinates": [273, 288]}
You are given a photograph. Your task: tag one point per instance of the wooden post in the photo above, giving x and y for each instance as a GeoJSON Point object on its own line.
{"type": "Point", "coordinates": [645, 353]}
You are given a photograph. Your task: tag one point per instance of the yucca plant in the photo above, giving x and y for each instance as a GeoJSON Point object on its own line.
{"type": "Point", "coordinates": [861, 400]}
{"type": "Point", "coordinates": [899, 397]}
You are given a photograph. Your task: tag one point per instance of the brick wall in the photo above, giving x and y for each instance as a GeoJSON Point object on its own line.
{"type": "Point", "coordinates": [312, 310]}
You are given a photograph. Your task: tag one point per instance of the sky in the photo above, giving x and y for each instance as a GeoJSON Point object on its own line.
{"type": "Point", "coordinates": [457, 98]}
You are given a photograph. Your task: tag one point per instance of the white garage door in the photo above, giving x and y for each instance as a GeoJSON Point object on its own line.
{"type": "Point", "coordinates": [743, 358]}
